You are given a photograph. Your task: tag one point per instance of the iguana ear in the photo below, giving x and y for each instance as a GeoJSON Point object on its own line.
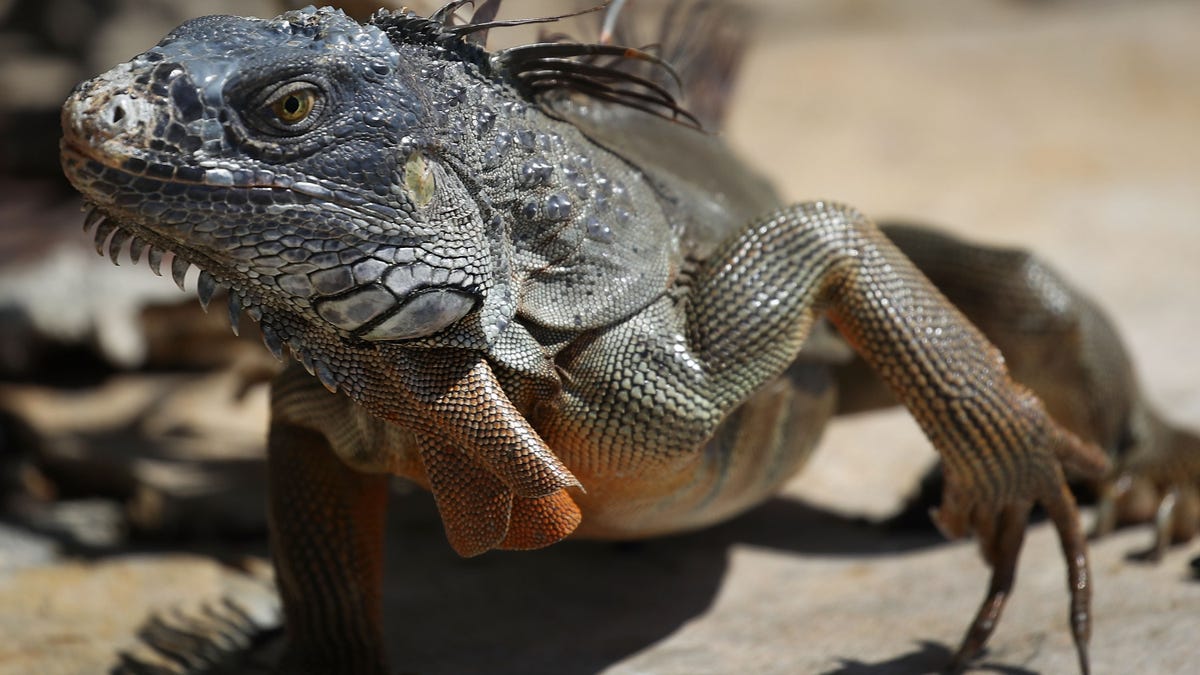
{"type": "Point", "coordinates": [463, 252]}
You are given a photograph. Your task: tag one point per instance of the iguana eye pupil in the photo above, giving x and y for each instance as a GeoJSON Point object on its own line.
{"type": "Point", "coordinates": [295, 106]}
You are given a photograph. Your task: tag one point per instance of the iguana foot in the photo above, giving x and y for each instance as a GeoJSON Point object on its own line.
{"type": "Point", "coordinates": [1000, 520]}
{"type": "Point", "coordinates": [1157, 482]}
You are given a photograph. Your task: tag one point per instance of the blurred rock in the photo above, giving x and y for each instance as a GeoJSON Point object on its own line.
{"type": "Point", "coordinates": [174, 455]}
{"type": "Point", "coordinates": [20, 548]}
{"type": "Point", "coordinates": [77, 617]}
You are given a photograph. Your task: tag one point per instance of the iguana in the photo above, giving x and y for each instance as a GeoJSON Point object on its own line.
{"type": "Point", "coordinates": [523, 280]}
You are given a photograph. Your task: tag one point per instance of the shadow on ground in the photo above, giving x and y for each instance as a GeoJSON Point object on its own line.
{"type": "Point", "coordinates": [579, 607]}
{"type": "Point", "coordinates": [929, 657]}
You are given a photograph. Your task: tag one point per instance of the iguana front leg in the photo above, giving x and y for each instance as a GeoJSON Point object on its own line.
{"type": "Point", "coordinates": [327, 525]}
{"type": "Point", "coordinates": [743, 321]}
{"type": "Point", "coordinates": [1060, 344]}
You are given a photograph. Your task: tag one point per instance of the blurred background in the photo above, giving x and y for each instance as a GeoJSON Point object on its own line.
{"type": "Point", "coordinates": [132, 423]}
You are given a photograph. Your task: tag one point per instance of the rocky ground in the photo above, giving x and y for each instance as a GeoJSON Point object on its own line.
{"type": "Point", "coordinates": [1067, 127]}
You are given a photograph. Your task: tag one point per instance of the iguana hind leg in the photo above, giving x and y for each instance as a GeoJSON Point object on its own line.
{"type": "Point", "coordinates": [1157, 479]}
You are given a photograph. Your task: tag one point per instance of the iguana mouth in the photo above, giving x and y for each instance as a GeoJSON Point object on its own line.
{"type": "Point", "coordinates": [92, 162]}
{"type": "Point", "coordinates": [413, 301]}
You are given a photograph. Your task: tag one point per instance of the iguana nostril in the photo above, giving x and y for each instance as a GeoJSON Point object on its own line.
{"type": "Point", "coordinates": [121, 113]}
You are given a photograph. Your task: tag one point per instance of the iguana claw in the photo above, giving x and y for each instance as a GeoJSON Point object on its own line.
{"type": "Point", "coordinates": [1157, 481]}
{"type": "Point", "coordinates": [1001, 532]}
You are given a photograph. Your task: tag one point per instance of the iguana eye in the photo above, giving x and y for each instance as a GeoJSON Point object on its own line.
{"type": "Point", "coordinates": [292, 107]}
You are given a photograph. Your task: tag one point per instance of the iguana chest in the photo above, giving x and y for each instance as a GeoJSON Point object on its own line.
{"type": "Point", "coordinates": [635, 489]}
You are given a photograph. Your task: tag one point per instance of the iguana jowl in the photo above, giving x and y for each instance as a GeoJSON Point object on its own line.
{"type": "Point", "coordinates": [553, 324]}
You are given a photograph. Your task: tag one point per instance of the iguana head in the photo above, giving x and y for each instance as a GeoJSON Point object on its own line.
{"type": "Point", "coordinates": [296, 161]}
{"type": "Point", "coordinates": [316, 168]}
{"type": "Point", "coordinates": [380, 198]}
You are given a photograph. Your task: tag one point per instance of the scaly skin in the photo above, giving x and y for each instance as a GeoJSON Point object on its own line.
{"type": "Point", "coordinates": [1060, 344]}
{"type": "Point", "coordinates": [554, 329]}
